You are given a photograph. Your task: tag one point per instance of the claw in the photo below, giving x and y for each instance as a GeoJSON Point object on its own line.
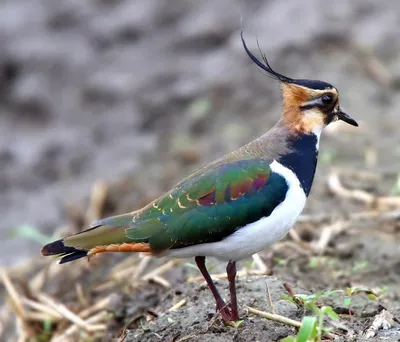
{"type": "Point", "coordinates": [225, 313]}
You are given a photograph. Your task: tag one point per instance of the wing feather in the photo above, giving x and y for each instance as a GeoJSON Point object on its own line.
{"type": "Point", "coordinates": [210, 206]}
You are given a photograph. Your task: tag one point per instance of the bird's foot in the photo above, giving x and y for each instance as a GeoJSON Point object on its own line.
{"type": "Point", "coordinates": [227, 315]}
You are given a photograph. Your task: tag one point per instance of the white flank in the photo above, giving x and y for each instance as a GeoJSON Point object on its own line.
{"type": "Point", "coordinates": [255, 236]}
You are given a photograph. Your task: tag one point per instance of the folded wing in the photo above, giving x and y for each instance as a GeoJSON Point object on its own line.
{"type": "Point", "coordinates": [210, 206]}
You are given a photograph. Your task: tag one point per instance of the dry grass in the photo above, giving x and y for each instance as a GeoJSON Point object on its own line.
{"type": "Point", "coordinates": [55, 303]}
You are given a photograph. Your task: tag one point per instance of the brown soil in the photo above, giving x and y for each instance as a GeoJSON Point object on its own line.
{"type": "Point", "coordinates": [338, 272]}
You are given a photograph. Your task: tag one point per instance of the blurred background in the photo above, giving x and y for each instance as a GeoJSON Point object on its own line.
{"type": "Point", "coordinates": [120, 99]}
{"type": "Point", "coordinates": [104, 90]}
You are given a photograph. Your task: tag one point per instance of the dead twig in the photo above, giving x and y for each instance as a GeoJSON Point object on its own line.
{"type": "Point", "coordinates": [161, 281]}
{"type": "Point", "coordinates": [274, 317]}
{"type": "Point", "coordinates": [281, 319]}
{"type": "Point", "coordinates": [240, 274]}
{"type": "Point", "coordinates": [383, 320]}
{"type": "Point", "coordinates": [144, 262]}
{"type": "Point", "coordinates": [318, 218]}
{"type": "Point", "coordinates": [178, 305]}
{"type": "Point", "coordinates": [337, 188]}
{"type": "Point", "coordinates": [41, 317]}
{"type": "Point", "coordinates": [97, 200]}
{"type": "Point", "coordinates": [159, 270]}
{"type": "Point", "coordinates": [293, 245]}
{"type": "Point", "coordinates": [327, 233]}
{"type": "Point", "coordinates": [89, 322]}
{"type": "Point", "coordinates": [269, 298]}
{"type": "Point", "coordinates": [378, 202]}
{"type": "Point", "coordinates": [17, 306]}
{"type": "Point", "coordinates": [43, 309]}
{"type": "Point", "coordinates": [363, 215]}
{"type": "Point", "coordinates": [83, 300]}
{"type": "Point", "coordinates": [260, 263]}
{"type": "Point", "coordinates": [135, 272]}
{"type": "Point", "coordinates": [125, 263]}
{"type": "Point", "coordinates": [21, 331]}
{"type": "Point", "coordinates": [15, 298]}
{"type": "Point", "coordinates": [99, 306]}
{"type": "Point", "coordinates": [67, 314]}
{"type": "Point", "coordinates": [123, 271]}
{"type": "Point", "coordinates": [295, 236]}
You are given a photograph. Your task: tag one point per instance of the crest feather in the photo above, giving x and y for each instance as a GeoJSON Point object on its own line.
{"type": "Point", "coordinates": [265, 66]}
{"type": "Point", "coordinates": [311, 84]}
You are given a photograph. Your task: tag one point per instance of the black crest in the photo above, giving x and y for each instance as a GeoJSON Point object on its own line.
{"type": "Point", "coordinates": [312, 84]}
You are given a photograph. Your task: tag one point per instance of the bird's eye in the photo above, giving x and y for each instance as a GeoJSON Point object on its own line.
{"type": "Point", "coordinates": [327, 99]}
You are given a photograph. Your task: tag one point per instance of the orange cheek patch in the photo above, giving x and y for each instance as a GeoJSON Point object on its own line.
{"type": "Point", "coordinates": [306, 124]}
{"type": "Point", "coordinates": [296, 119]}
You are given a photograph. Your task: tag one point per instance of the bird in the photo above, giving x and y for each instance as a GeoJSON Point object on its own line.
{"type": "Point", "coordinates": [233, 207]}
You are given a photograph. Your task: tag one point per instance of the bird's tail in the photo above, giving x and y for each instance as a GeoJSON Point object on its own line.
{"type": "Point", "coordinates": [67, 253]}
{"type": "Point", "coordinates": [106, 235]}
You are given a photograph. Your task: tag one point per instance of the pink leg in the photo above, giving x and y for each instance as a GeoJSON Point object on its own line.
{"type": "Point", "coordinates": [221, 306]}
{"type": "Point", "coordinates": [231, 272]}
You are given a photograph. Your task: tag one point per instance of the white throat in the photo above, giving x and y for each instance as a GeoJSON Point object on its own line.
{"type": "Point", "coordinates": [313, 122]}
{"type": "Point", "coordinates": [317, 131]}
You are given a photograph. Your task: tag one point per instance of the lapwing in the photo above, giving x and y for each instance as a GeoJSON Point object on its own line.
{"type": "Point", "coordinates": [233, 207]}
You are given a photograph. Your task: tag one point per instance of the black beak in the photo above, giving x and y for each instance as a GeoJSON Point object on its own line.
{"type": "Point", "coordinates": [346, 118]}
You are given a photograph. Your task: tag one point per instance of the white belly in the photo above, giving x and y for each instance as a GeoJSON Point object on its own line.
{"type": "Point", "coordinates": [255, 236]}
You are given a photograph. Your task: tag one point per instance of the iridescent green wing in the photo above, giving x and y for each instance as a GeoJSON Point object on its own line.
{"type": "Point", "coordinates": [210, 206]}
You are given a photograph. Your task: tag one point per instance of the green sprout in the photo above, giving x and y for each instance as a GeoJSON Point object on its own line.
{"type": "Point", "coordinates": [236, 325]}
{"type": "Point", "coordinates": [312, 328]}
{"type": "Point", "coordinates": [31, 233]}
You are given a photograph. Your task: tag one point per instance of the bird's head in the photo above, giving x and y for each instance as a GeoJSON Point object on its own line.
{"type": "Point", "coordinates": [308, 105]}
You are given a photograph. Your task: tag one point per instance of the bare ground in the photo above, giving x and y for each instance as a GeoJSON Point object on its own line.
{"type": "Point", "coordinates": [358, 262]}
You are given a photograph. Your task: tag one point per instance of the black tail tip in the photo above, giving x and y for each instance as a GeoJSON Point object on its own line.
{"type": "Point", "coordinates": [67, 253]}
{"type": "Point", "coordinates": [56, 247]}
{"type": "Point", "coordinates": [73, 256]}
